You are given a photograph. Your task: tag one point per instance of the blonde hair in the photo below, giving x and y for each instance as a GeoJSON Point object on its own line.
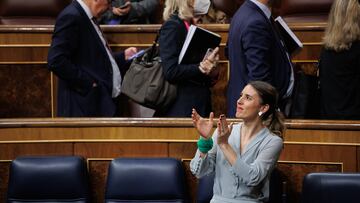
{"type": "Point", "coordinates": [182, 7]}
{"type": "Point", "coordinates": [343, 25]}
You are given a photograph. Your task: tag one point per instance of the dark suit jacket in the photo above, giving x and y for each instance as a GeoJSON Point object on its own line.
{"type": "Point", "coordinates": [255, 53]}
{"type": "Point", "coordinates": [78, 57]}
{"type": "Point", "coordinates": [193, 86]}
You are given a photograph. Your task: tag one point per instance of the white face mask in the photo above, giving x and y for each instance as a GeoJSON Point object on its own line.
{"type": "Point", "coordinates": [201, 7]}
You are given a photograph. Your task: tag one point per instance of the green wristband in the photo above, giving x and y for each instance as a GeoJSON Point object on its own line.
{"type": "Point", "coordinates": [204, 145]}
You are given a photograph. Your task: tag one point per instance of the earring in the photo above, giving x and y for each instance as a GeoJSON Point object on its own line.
{"type": "Point", "coordinates": [260, 113]}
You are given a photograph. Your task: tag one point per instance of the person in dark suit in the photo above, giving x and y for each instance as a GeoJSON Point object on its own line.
{"type": "Point", "coordinates": [340, 63]}
{"type": "Point", "coordinates": [89, 74]}
{"type": "Point", "coordinates": [255, 52]}
{"type": "Point", "coordinates": [193, 80]}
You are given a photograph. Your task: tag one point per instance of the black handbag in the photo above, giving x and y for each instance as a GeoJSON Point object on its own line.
{"type": "Point", "coordinates": [145, 83]}
{"type": "Point", "coordinates": [306, 96]}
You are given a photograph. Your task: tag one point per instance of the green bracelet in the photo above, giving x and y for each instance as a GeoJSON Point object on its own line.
{"type": "Point", "coordinates": [204, 145]}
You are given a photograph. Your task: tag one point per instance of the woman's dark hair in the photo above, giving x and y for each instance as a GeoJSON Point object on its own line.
{"type": "Point", "coordinates": [273, 118]}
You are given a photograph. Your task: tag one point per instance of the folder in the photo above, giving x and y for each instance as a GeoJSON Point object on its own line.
{"type": "Point", "coordinates": [292, 43]}
{"type": "Point", "coordinates": [198, 41]}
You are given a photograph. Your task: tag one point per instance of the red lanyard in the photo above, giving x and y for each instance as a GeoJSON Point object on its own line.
{"type": "Point", "coordinates": [187, 25]}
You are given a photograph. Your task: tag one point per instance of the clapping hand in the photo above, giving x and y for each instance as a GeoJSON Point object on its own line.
{"type": "Point", "coordinates": [224, 130]}
{"type": "Point", "coordinates": [203, 126]}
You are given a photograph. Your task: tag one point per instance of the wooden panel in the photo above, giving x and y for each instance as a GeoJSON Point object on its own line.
{"type": "Point", "coordinates": [4, 179]}
{"type": "Point", "coordinates": [309, 52]}
{"type": "Point", "coordinates": [11, 151]}
{"type": "Point", "coordinates": [293, 174]}
{"type": "Point", "coordinates": [191, 181]}
{"type": "Point", "coordinates": [25, 91]}
{"type": "Point", "coordinates": [27, 55]}
{"type": "Point", "coordinates": [98, 170]}
{"type": "Point", "coordinates": [218, 91]}
{"type": "Point", "coordinates": [101, 133]}
{"type": "Point", "coordinates": [328, 136]}
{"type": "Point", "coordinates": [182, 150]}
{"type": "Point", "coordinates": [309, 36]}
{"type": "Point", "coordinates": [321, 153]}
{"type": "Point", "coordinates": [25, 35]}
{"type": "Point", "coordinates": [124, 149]}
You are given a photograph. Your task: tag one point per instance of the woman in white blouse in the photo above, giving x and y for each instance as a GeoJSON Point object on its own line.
{"type": "Point", "coordinates": [244, 154]}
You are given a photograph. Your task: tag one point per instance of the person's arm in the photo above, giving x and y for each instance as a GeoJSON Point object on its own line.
{"type": "Point", "coordinates": [203, 164]}
{"type": "Point", "coordinates": [257, 42]}
{"type": "Point", "coordinates": [122, 59]}
{"type": "Point", "coordinates": [63, 49]}
{"type": "Point", "coordinates": [224, 130]}
{"type": "Point", "coordinates": [170, 48]}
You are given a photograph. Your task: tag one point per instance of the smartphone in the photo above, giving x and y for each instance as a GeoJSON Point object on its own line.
{"type": "Point", "coordinates": [137, 54]}
{"type": "Point", "coordinates": [208, 52]}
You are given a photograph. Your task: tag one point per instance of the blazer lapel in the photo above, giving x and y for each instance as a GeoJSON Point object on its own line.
{"type": "Point", "coordinates": [91, 28]}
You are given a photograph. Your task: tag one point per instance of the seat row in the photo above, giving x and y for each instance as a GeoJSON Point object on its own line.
{"type": "Point", "coordinates": [65, 179]}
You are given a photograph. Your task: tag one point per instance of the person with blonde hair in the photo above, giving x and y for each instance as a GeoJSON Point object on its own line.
{"type": "Point", "coordinates": [242, 155]}
{"type": "Point", "coordinates": [339, 63]}
{"type": "Point", "coordinates": [193, 80]}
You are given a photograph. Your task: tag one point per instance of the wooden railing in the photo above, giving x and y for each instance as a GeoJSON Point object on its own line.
{"type": "Point", "coordinates": [29, 89]}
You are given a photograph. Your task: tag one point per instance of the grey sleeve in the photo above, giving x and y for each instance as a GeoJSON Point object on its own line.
{"type": "Point", "coordinates": [203, 166]}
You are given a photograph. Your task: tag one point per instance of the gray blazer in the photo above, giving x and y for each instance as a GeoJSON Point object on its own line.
{"type": "Point", "coordinates": [248, 179]}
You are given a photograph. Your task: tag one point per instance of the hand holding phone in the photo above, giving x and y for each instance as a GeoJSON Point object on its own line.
{"type": "Point", "coordinates": [125, 5]}
{"type": "Point", "coordinates": [208, 52]}
{"type": "Point", "coordinates": [137, 54]}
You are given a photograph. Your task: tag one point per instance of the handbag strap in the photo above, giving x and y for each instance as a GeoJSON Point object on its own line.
{"type": "Point", "coordinates": [153, 47]}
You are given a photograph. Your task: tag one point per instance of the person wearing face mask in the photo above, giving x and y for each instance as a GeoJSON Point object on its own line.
{"type": "Point", "coordinates": [193, 80]}
{"type": "Point", "coordinates": [241, 155]}
{"type": "Point", "coordinates": [201, 8]}
{"type": "Point", "coordinates": [89, 72]}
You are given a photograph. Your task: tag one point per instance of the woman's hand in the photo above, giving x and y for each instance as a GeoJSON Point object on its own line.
{"type": "Point", "coordinates": [224, 131]}
{"type": "Point", "coordinates": [203, 126]}
{"type": "Point", "coordinates": [209, 64]}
